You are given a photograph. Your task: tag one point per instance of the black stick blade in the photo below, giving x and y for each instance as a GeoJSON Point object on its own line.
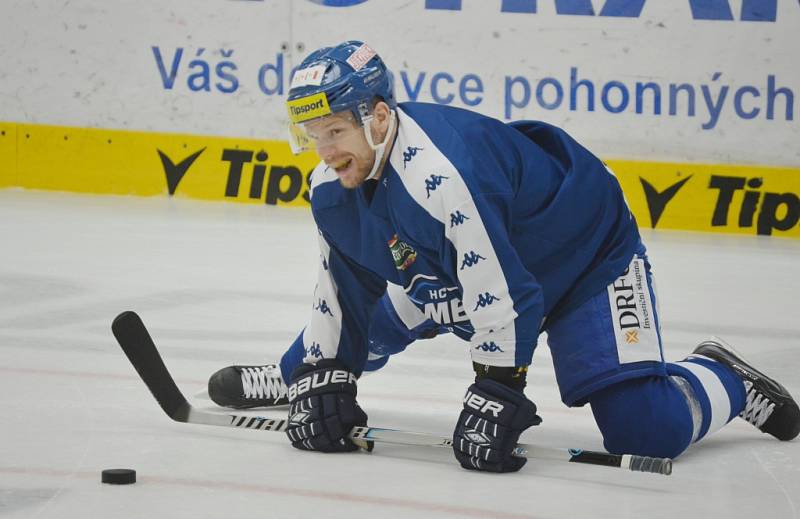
{"type": "Point", "coordinates": [137, 344]}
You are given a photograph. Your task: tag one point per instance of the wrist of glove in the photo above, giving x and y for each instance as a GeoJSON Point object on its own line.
{"type": "Point", "coordinates": [489, 427]}
{"type": "Point", "coordinates": [323, 407]}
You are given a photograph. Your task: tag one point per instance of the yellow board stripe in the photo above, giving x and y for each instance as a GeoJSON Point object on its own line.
{"type": "Point", "coordinates": [736, 199]}
{"type": "Point", "coordinates": [712, 197]}
{"type": "Point", "coordinates": [143, 163]}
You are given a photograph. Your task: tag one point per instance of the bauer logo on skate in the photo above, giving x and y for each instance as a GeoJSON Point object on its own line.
{"type": "Point", "coordinates": [318, 380]}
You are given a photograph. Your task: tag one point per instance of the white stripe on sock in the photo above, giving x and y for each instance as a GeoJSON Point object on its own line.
{"type": "Point", "coordinates": [717, 395]}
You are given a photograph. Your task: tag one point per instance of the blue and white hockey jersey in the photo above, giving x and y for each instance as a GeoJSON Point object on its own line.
{"type": "Point", "coordinates": [483, 227]}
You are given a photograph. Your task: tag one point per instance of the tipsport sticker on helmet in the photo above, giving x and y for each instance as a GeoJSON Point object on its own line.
{"type": "Point", "coordinates": [361, 57]}
{"type": "Point", "coordinates": [311, 76]}
{"type": "Point", "coordinates": [309, 107]}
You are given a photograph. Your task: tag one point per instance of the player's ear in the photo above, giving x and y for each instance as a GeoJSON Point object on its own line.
{"type": "Point", "coordinates": [380, 115]}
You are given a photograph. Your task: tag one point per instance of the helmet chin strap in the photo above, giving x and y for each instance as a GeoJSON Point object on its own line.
{"type": "Point", "coordinates": [380, 148]}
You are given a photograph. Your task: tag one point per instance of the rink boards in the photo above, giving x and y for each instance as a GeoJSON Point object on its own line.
{"type": "Point", "coordinates": [739, 199]}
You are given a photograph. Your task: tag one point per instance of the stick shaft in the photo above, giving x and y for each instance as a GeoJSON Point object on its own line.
{"type": "Point", "coordinates": [140, 349]}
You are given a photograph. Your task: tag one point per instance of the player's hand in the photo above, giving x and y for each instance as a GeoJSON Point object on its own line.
{"type": "Point", "coordinates": [323, 407]}
{"type": "Point", "coordinates": [488, 428]}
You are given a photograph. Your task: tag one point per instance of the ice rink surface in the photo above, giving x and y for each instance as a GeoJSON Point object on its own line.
{"type": "Point", "coordinates": [219, 284]}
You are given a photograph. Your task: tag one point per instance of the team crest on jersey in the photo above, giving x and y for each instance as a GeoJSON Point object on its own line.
{"type": "Point", "coordinates": [402, 253]}
{"type": "Point", "coordinates": [439, 303]}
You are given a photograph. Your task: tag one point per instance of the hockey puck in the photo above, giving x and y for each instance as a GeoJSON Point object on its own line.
{"type": "Point", "coordinates": [119, 476]}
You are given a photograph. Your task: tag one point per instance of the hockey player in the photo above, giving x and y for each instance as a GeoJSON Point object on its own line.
{"type": "Point", "coordinates": [434, 219]}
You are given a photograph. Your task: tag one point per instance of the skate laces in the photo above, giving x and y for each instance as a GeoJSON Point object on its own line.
{"type": "Point", "coordinates": [261, 382]}
{"type": "Point", "coordinates": [758, 407]}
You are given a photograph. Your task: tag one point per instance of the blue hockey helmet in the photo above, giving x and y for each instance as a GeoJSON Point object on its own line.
{"type": "Point", "coordinates": [347, 77]}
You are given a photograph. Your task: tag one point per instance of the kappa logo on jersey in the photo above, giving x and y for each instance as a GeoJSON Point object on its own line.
{"type": "Point", "coordinates": [470, 259]}
{"type": "Point", "coordinates": [402, 253]}
{"type": "Point", "coordinates": [457, 218]}
{"type": "Point", "coordinates": [314, 351]}
{"type": "Point", "coordinates": [409, 154]}
{"type": "Point", "coordinates": [323, 307]}
{"type": "Point", "coordinates": [433, 182]}
{"type": "Point", "coordinates": [489, 347]}
{"type": "Point", "coordinates": [485, 300]}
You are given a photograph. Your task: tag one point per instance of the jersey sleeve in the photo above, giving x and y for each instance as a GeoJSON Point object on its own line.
{"type": "Point", "coordinates": [503, 301]}
{"type": "Point", "coordinates": [467, 200]}
{"type": "Point", "coordinates": [343, 301]}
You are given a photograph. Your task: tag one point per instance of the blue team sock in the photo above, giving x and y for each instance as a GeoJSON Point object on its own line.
{"type": "Point", "coordinates": [292, 358]}
{"type": "Point", "coordinates": [715, 393]}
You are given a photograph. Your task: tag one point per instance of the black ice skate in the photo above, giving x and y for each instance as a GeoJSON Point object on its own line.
{"type": "Point", "coordinates": [769, 405]}
{"type": "Point", "coordinates": [243, 387]}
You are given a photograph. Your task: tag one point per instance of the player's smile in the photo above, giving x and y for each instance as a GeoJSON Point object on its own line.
{"type": "Point", "coordinates": [341, 165]}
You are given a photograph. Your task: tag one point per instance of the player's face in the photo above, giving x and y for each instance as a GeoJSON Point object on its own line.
{"type": "Point", "coordinates": [341, 143]}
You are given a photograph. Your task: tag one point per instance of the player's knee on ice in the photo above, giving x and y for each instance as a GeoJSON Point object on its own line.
{"type": "Point", "coordinates": [646, 416]}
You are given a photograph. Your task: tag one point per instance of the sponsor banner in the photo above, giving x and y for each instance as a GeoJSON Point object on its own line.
{"type": "Point", "coordinates": [634, 321]}
{"type": "Point", "coordinates": [678, 81]}
{"type": "Point", "coordinates": [754, 200]}
{"type": "Point", "coordinates": [138, 163]}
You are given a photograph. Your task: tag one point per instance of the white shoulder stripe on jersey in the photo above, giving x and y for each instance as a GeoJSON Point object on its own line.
{"type": "Point", "coordinates": [437, 186]}
{"type": "Point", "coordinates": [322, 335]}
{"type": "Point", "coordinates": [405, 309]}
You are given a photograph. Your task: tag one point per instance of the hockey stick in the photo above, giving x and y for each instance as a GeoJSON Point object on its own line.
{"type": "Point", "coordinates": [137, 344]}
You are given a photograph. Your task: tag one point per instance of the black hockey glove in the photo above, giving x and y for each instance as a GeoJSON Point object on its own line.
{"type": "Point", "coordinates": [488, 428]}
{"type": "Point", "coordinates": [323, 407]}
